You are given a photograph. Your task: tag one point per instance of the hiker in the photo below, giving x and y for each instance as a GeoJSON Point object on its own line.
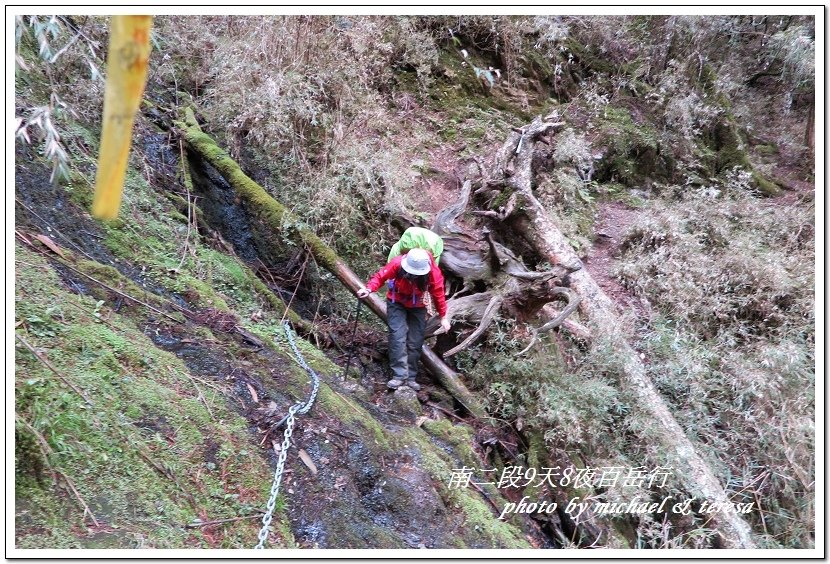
{"type": "Point", "coordinates": [408, 276]}
{"type": "Point", "coordinates": [418, 238]}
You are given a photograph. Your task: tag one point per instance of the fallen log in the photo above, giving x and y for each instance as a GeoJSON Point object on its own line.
{"type": "Point", "coordinates": [513, 167]}
{"type": "Point", "coordinates": [511, 286]}
{"type": "Point", "coordinates": [265, 208]}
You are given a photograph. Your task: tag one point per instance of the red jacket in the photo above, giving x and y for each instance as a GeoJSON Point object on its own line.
{"type": "Point", "coordinates": [406, 293]}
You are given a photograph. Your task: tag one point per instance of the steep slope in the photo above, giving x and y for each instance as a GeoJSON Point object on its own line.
{"type": "Point", "coordinates": [174, 402]}
{"type": "Point", "coordinates": [363, 126]}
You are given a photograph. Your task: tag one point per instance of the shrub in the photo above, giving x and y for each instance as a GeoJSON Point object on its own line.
{"type": "Point", "coordinates": [732, 344]}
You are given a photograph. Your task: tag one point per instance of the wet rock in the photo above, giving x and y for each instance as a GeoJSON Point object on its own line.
{"type": "Point", "coordinates": [404, 402]}
{"type": "Point", "coordinates": [440, 396]}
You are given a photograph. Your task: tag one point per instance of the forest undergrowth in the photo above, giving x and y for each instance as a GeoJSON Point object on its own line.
{"type": "Point", "coordinates": [699, 124]}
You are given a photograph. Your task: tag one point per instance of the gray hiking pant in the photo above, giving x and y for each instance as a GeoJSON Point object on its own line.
{"type": "Point", "coordinates": [406, 335]}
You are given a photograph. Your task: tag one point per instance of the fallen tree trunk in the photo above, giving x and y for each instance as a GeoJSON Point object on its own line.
{"type": "Point", "coordinates": [514, 171]}
{"type": "Point", "coordinates": [277, 217]}
{"type": "Point", "coordinates": [511, 286]}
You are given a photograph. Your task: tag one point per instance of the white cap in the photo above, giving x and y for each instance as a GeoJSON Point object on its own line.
{"type": "Point", "coordinates": [416, 262]}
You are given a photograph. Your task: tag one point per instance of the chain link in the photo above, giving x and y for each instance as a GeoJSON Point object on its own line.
{"type": "Point", "coordinates": [301, 408]}
{"type": "Point", "coordinates": [301, 361]}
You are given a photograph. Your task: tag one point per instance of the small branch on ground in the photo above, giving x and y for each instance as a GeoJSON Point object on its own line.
{"type": "Point", "coordinates": [54, 370]}
{"type": "Point", "coordinates": [195, 525]}
{"type": "Point", "coordinates": [447, 411]}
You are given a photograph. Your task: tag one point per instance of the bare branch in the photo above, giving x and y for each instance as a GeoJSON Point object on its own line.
{"type": "Point", "coordinates": [54, 370]}
{"type": "Point", "coordinates": [486, 320]}
{"type": "Point", "coordinates": [488, 213]}
{"type": "Point", "coordinates": [573, 303]}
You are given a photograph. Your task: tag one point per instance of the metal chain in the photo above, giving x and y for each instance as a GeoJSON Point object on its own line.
{"type": "Point", "coordinates": [301, 361]}
{"type": "Point", "coordinates": [301, 408]}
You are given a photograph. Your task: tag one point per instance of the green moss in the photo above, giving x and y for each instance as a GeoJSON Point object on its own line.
{"type": "Point", "coordinates": [766, 187]}
{"type": "Point", "coordinates": [481, 526]}
{"type": "Point", "coordinates": [113, 278]}
{"type": "Point", "coordinates": [470, 110]}
{"type": "Point", "coordinates": [767, 150]}
{"type": "Point", "coordinates": [245, 288]}
{"type": "Point", "coordinates": [143, 402]}
{"type": "Point", "coordinates": [276, 303]}
{"type": "Point", "coordinates": [590, 57]}
{"type": "Point", "coordinates": [730, 153]}
{"type": "Point", "coordinates": [147, 394]}
{"type": "Point", "coordinates": [354, 416]}
{"type": "Point", "coordinates": [80, 190]}
{"type": "Point", "coordinates": [537, 64]}
{"type": "Point", "coordinates": [459, 436]}
{"type": "Point", "coordinates": [707, 78]}
{"type": "Point", "coordinates": [259, 202]}
{"type": "Point", "coordinates": [407, 81]}
{"type": "Point", "coordinates": [144, 232]}
{"type": "Point", "coordinates": [181, 205]}
{"type": "Point", "coordinates": [200, 293]}
{"type": "Point", "coordinates": [536, 458]}
{"type": "Point", "coordinates": [728, 145]}
{"type": "Point", "coordinates": [634, 147]}
{"type": "Point", "coordinates": [459, 75]}
{"type": "Point", "coordinates": [502, 198]}
{"type": "Point", "coordinates": [448, 133]}
{"type": "Point", "coordinates": [639, 135]}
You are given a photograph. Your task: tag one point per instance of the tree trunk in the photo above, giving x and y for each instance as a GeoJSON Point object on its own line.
{"type": "Point", "coordinates": [511, 286]}
{"type": "Point", "coordinates": [271, 212]}
{"type": "Point", "coordinates": [546, 238]}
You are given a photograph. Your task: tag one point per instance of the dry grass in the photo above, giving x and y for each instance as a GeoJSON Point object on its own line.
{"type": "Point", "coordinates": [319, 106]}
{"type": "Point", "coordinates": [734, 348]}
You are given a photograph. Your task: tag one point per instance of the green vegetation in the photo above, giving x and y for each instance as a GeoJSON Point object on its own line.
{"type": "Point", "coordinates": [146, 414]}
{"type": "Point", "coordinates": [480, 526]}
{"type": "Point", "coordinates": [344, 126]}
{"type": "Point", "coordinates": [733, 347]}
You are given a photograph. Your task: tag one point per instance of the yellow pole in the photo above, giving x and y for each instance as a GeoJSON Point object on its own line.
{"type": "Point", "coordinates": [129, 53]}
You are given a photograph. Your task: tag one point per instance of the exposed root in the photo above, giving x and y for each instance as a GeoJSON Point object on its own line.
{"type": "Point", "coordinates": [484, 324]}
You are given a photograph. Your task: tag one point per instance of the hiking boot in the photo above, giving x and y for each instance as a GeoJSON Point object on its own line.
{"type": "Point", "coordinates": [413, 384]}
{"type": "Point", "coordinates": [394, 383]}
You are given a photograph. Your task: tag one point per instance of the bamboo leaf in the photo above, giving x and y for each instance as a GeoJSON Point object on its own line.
{"type": "Point", "coordinates": [254, 395]}
{"type": "Point", "coordinates": [50, 244]}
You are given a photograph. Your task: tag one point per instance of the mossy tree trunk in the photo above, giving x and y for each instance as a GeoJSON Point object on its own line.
{"type": "Point", "coordinates": [726, 140]}
{"type": "Point", "coordinates": [513, 170]}
{"type": "Point", "coordinates": [278, 218]}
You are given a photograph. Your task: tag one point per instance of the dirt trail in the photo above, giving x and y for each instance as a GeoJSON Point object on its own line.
{"type": "Point", "coordinates": [438, 184]}
{"type": "Point", "coordinates": [613, 220]}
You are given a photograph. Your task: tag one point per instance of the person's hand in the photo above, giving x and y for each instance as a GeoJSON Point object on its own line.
{"type": "Point", "coordinates": [445, 326]}
{"type": "Point", "coordinates": [363, 293]}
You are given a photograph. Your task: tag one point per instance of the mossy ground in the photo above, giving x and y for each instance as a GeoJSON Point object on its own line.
{"type": "Point", "coordinates": [154, 398]}
{"type": "Point", "coordinates": [150, 403]}
{"type": "Point", "coordinates": [143, 400]}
